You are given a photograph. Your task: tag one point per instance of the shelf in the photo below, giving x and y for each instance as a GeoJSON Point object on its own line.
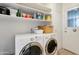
{"type": "Point", "coordinates": [37, 6]}
{"type": "Point", "coordinates": [13, 18]}
{"type": "Point", "coordinates": [40, 20]}
{"type": "Point", "coordinates": [28, 7]}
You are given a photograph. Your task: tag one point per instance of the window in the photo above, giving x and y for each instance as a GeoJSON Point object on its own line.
{"type": "Point", "coordinates": [73, 18]}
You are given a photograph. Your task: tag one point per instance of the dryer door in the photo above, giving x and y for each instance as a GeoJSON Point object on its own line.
{"type": "Point", "coordinates": [51, 46]}
{"type": "Point", "coordinates": [33, 48]}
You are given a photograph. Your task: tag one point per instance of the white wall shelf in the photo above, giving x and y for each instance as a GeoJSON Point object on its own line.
{"type": "Point", "coordinates": [37, 6]}
{"type": "Point", "coordinates": [21, 19]}
{"type": "Point", "coordinates": [25, 7]}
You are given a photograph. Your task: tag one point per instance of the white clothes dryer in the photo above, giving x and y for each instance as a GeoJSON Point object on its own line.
{"type": "Point", "coordinates": [29, 44]}
{"type": "Point", "coordinates": [50, 44]}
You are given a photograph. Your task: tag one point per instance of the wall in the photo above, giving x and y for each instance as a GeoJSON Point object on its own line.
{"type": "Point", "coordinates": [9, 27]}
{"type": "Point", "coordinates": [57, 22]}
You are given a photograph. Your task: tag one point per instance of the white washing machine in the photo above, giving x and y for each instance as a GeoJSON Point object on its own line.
{"type": "Point", "coordinates": [29, 44]}
{"type": "Point", "coordinates": [50, 44]}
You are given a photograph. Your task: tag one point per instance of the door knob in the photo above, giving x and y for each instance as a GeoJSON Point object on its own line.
{"type": "Point", "coordinates": [74, 30]}
{"type": "Point", "coordinates": [65, 31]}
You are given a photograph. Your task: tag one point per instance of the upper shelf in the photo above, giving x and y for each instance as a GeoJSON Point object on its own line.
{"type": "Point", "coordinates": [28, 7]}
{"type": "Point", "coordinates": [37, 6]}
{"type": "Point", "coordinates": [13, 18]}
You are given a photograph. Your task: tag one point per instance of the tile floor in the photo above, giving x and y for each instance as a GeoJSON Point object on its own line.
{"type": "Point", "coordinates": [65, 52]}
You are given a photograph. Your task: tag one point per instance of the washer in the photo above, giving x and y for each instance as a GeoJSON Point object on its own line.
{"type": "Point", "coordinates": [50, 44]}
{"type": "Point", "coordinates": [29, 44]}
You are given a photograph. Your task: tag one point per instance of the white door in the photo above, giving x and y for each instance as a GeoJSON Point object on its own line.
{"type": "Point", "coordinates": [70, 35]}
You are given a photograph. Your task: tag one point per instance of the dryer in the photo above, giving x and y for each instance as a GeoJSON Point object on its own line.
{"type": "Point", "coordinates": [50, 44]}
{"type": "Point", "coordinates": [29, 44]}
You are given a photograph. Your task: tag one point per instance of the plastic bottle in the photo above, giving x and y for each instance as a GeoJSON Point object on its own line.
{"type": "Point", "coordinates": [18, 13]}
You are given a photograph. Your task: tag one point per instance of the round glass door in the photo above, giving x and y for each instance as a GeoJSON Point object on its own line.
{"type": "Point", "coordinates": [51, 46]}
{"type": "Point", "coordinates": [33, 48]}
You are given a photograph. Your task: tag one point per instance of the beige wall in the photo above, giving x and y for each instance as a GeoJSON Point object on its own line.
{"type": "Point", "coordinates": [57, 22]}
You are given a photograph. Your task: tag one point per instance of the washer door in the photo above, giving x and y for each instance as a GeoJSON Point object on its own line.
{"type": "Point", "coordinates": [33, 48]}
{"type": "Point", "coordinates": [51, 46]}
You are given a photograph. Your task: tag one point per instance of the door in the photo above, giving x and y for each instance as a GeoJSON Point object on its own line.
{"type": "Point", "coordinates": [71, 30]}
{"type": "Point", "coordinates": [33, 48]}
{"type": "Point", "coordinates": [51, 46]}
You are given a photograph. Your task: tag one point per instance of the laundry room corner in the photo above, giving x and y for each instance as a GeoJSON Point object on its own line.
{"type": "Point", "coordinates": [57, 22]}
{"type": "Point", "coordinates": [39, 28]}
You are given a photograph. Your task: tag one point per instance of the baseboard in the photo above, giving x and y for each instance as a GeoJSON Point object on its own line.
{"type": "Point", "coordinates": [7, 53]}
{"type": "Point", "coordinates": [69, 51]}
